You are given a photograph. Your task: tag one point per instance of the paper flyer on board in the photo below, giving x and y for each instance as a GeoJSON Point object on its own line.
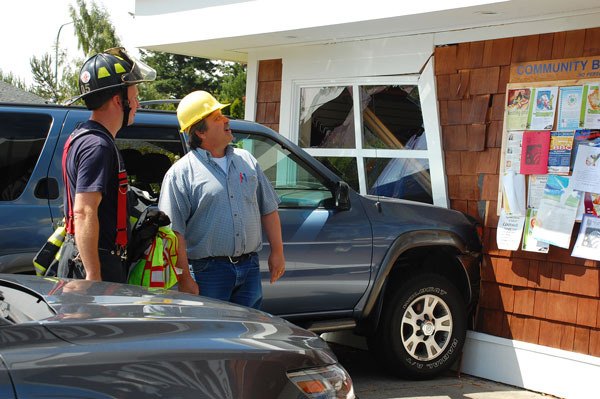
{"type": "Point", "coordinates": [586, 170]}
{"type": "Point", "coordinates": [535, 190]}
{"type": "Point", "coordinates": [510, 229]}
{"type": "Point", "coordinates": [517, 108]}
{"type": "Point", "coordinates": [557, 211]}
{"type": "Point", "coordinates": [513, 194]}
{"type": "Point", "coordinates": [534, 152]}
{"type": "Point", "coordinates": [512, 156]}
{"type": "Point", "coordinates": [588, 240]}
{"type": "Point", "coordinates": [584, 137]}
{"type": "Point", "coordinates": [559, 156]}
{"type": "Point", "coordinates": [590, 106]}
{"type": "Point", "coordinates": [569, 107]}
{"type": "Point", "coordinates": [542, 109]}
{"type": "Point", "coordinates": [530, 243]}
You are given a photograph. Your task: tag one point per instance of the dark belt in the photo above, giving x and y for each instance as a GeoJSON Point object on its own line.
{"type": "Point", "coordinates": [232, 259]}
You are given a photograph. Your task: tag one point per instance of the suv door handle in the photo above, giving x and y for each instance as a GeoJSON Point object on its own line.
{"type": "Point", "coordinates": [46, 188]}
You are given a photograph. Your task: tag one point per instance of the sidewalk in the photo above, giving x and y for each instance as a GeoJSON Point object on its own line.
{"type": "Point", "coordinates": [370, 382]}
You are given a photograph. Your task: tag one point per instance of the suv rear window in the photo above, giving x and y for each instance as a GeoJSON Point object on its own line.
{"type": "Point", "coordinates": [22, 138]}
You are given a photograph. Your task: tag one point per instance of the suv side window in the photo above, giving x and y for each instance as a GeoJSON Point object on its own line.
{"type": "Point", "coordinates": [148, 152]}
{"type": "Point", "coordinates": [296, 184]}
{"type": "Point", "coordinates": [22, 137]}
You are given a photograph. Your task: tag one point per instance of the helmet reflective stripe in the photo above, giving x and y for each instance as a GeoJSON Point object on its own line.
{"type": "Point", "coordinates": [119, 68]}
{"type": "Point", "coordinates": [103, 72]}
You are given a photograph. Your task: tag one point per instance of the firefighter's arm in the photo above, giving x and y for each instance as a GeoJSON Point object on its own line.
{"type": "Point", "coordinates": [87, 232]}
{"type": "Point", "coordinates": [186, 282]}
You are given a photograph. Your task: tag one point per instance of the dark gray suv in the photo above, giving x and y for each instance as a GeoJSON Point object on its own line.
{"type": "Point", "coordinates": [403, 274]}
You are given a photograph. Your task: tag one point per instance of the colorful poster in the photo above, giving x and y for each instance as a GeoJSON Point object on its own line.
{"type": "Point", "coordinates": [517, 108]}
{"type": "Point", "coordinates": [535, 190]}
{"type": "Point", "coordinates": [590, 106]}
{"type": "Point", "coordinates": [586, 170]}
{"type": "Point", "coordinates": [512, 156]}
{"type": "Point", "coordinates": [569, 108]}
{"type": "Point", "coordinates": [542, 109]}
{"type": "Point", "coordinates": [530, 243]}
{"type": "Point", "coordinates": [588, 240]}
{"type": "Point", "coordinates": [557, 211]}
{"type": "Point", "coordinates": [534, 152]}
{"type": "Point", "coordinates": [510, 229]}
{"type": "Point", "coordinates": [559, 156]}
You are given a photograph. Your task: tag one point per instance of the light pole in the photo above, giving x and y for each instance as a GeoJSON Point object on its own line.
{"type": "Point", "coordinates": [56, 54]}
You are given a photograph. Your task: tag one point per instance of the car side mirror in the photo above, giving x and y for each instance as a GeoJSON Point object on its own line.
{"type": "Point", "coordinates": [342, 196]}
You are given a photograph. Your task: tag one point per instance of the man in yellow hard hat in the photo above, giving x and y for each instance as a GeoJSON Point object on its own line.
{"type": "Point", "coordinates": [219, 199]}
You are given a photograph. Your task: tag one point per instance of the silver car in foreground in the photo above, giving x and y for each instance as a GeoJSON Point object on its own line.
{"type": "Point", "coordinates": [79, 339]}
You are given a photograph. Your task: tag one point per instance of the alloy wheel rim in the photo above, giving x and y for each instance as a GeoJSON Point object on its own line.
{"type": "Point", "coordinates": [426, 327]}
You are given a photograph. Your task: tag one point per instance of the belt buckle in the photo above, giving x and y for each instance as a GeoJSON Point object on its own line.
{"type": "Point", "coordinates": [232, 261]}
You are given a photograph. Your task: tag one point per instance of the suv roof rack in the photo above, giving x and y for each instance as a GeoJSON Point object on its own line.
{"type": "Point", "coordinates": [147, 103]}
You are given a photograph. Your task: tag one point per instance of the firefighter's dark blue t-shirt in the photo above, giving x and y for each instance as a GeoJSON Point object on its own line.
{"type": "Point", "coordinates": [92, 166]}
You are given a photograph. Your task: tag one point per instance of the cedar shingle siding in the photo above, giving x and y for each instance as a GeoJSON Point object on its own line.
{"type": "Point", "coordinates": [548, 299]}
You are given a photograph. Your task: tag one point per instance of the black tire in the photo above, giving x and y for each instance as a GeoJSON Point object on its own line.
{"type": "Point", "coordinates": [416, 340]}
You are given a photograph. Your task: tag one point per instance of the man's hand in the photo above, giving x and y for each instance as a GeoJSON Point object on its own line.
{"type": "Point", "coordinates": [276, 266]}
{"type": "Point", "coordinates": [187, 284]}
{"type": "Point", "coordinates": [186, 281]}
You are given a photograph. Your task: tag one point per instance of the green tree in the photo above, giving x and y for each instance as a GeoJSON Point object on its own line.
{"type": "Point", "coordinates": [12, 79]}
{"type": "Point", "coordinates": [95, 32]}
{"type": "Point", "coordinates": [232, 88]}
{"type": "Point", "coordinates": [45, 85]}
{"type": "Point", "coordinates": [178, 75]}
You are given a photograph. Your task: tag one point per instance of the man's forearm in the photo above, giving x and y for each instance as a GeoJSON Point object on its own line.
{"type": "Point", "coordinates": [87, 232]}
{"type": "Point", "coordinates": [272, 226]}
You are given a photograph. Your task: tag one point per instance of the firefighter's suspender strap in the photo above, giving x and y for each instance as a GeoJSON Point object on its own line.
{"type": "Point", "coordinates": [121, 239]}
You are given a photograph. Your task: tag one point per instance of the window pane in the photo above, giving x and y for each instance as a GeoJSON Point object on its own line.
{"type": "Point", "coordinates": [296, 185]}
{"type": "Point", "coordinates": [326, 117]}
{"type": "Point", "coordinates": [148, 152]}
{"type": "Point", "coordinates": [22, 137]}
{"type": "Point", "coordinates": [391, 116]}
{"type": "Point", "coordinates": [346, 168]}
{"type": "Point", "coordinates": [403, 178]}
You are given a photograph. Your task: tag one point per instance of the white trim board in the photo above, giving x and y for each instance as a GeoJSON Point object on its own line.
{"type": "Point", "coordinates": [533, 367]}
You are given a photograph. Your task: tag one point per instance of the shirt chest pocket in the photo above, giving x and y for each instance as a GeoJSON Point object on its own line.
{"type": "Point", "coordinates": [249, 185]}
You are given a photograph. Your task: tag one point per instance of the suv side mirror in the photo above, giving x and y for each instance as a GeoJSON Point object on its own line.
{"type": "Point", "coordinates": [342, 196]}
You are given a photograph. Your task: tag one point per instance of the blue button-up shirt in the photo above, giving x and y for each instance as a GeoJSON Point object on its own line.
{"type": "Point", "coordinates": [218, 214]}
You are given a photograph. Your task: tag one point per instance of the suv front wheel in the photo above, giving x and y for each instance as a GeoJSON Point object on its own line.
{"type": "Point", "coordinates": [422, 328]}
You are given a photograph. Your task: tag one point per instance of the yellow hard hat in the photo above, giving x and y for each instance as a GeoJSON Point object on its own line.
{"type": "Point", "coordinates": [196, 106]}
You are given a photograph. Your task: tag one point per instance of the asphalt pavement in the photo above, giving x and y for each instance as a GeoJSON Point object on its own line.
{"type": "Point", "coordinates": [371, 382]}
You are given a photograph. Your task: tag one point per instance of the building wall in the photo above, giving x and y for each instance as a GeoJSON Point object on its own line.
{"type": "Point", "coordinates": [547, 299]}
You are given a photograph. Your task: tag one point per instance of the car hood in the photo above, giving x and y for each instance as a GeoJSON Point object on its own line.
{"type": "Point", "coordinates": [392, 216]}
{"type": "Point", "coordinates": [83, 311]}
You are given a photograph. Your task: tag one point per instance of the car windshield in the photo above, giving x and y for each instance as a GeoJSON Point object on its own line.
{"type": "Point", "coordinates": [19, 304]}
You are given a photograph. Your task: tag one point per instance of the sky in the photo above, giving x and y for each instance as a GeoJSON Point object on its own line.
{"type": "Point", "coordinates": [30, 27]}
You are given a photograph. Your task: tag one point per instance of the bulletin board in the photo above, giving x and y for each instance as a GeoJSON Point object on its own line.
{"type": "Point", "coordinates": [549, 164]}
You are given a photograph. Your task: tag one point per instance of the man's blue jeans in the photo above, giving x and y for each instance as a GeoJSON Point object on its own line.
{"type": "Point", "coordinates": [238, 283]}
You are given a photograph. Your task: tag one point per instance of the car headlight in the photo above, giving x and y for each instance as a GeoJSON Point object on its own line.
{"type": "Point", "coordinates": [326, 382]}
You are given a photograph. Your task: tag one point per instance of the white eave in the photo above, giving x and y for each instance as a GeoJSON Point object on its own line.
{"type": "Point", "coordinates": [230, 29]}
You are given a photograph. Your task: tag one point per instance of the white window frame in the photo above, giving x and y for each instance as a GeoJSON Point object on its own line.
{"type": "Point", "coordinates": [429, 109]}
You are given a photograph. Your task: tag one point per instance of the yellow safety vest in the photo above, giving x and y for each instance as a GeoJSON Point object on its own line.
{"type": "Point", "coordinates": [156, 269]}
